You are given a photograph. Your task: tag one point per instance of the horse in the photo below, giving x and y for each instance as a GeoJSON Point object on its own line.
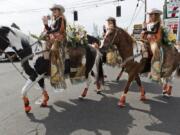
{"type": "Point", "coordinates": [119, 39]}
{"type": "Point", "coordinates": [25, 46]}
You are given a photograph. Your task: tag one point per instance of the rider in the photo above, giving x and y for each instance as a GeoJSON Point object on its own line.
{"type": "Point", "coordinates": [111, 22]}
{"type": "Point", "coordinates": [152, 34]}
{"type": "Point", "coordinates": [56, 35]}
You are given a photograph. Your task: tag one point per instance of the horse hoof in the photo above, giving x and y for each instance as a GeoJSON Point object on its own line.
{"type": "Point", "coordinates": [166, 95]}
{"type": "Point", "coordinates": [143, 98]}
{"type": "Point", "coordinates": [117, 79]}
{"type": "Point", "coordinates": [122, 101]}
{"type": "Point", "coordinates": [81, 98]}
{"type": "Point", "coordinates": [44, 105]}
{"type": "Point", "coordinates": [27, 109]}
{"type": "Point", "coordinates": [99, 92]}
{"type": "Point", "coordinates": [121, 105]}
{"type": "Point", "coordinates": [169, 92]}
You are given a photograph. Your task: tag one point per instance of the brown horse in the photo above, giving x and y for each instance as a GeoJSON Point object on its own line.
{"type": "Point", "coordinates": [121, 40]}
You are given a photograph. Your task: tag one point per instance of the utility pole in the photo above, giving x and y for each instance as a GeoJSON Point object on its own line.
{"type": "Point", "coordinates": [165, 10]}
{"type": "Point", "coordinates": [178, 31]}
{"type": "Point", "coordinates": [145, 10]}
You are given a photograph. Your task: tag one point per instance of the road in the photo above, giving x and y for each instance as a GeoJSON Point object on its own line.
{"type": "Point", "coordinates": [97, 115]}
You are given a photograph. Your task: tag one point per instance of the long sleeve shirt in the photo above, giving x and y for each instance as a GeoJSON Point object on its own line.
{"type": "Point", "coordinates": [152, 28]}
{"type": "Point", "coordinates": [56, 26]}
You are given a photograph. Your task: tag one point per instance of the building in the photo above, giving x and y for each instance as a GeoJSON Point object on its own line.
{"type": "Point", "coordinates": [171, 14]}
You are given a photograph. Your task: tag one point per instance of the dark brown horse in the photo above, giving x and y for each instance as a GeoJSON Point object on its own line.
{"type": "Point", "coordinates": [120, 39]}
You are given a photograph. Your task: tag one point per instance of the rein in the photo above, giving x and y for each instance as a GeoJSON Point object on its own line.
{"type": "Point", "coordinates": [115, 35]}
{"type": "Point", "coordinates": [31, 45]}
{"type": "Point", "coordinates": [22, 60]}
{"type": "Point", "coordinates": [129, 58]}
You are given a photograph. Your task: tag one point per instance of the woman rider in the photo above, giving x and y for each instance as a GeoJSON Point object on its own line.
{"type": "Point", "coordinates": [152, 34]}
{"type": "Point", "coordinates": [56, 35]}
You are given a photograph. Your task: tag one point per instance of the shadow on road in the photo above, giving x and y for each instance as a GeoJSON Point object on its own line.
{"type": "Point", "coordinates": [117, 86]}
{"type": "Point", "coordinates": [98, 117]}
{"type": "Point", "coordinates": [167, 113]}
{"type": "Point", "coordinates": [91, 116]}
{"type": "Point", "coordinates": [164, 115]}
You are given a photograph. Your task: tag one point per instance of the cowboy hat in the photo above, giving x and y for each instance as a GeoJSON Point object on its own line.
{"type": "Point", "coordinates": [57, 6]}
{"type": "Point", "coordinates": [155, 11]}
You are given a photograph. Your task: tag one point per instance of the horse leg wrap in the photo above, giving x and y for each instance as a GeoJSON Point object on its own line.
{"type": "Point", "coordinates": [122, 101]}
{"type": "Point", "coordinates": [45, 99]}
{"type": "Point", "coordinates": [165, 87]}
{"type": "Point", "coordinates": [143, 97]}
{"type": "Point", "coordinates": [169, 90]}
{"type": "Point", "coordinates": [84, 93]}
{"type": "Point", "coordinates": [27, 107]}
{"type": "Point", "coordinates": [98, 85]}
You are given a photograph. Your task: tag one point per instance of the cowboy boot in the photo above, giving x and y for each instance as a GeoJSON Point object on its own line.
{"type": "Point", "coordinates": [143, 97]}
{"type": "Point", "coordinates": [27, 107]}
{"type": "Point", "coordinates": [45, 99]}
{"type": "Point", "coordinates": [122, 101]}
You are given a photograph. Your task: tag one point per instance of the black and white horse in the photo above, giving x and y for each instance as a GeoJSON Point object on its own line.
{"type": "Point", "coordinates": [25, 46]}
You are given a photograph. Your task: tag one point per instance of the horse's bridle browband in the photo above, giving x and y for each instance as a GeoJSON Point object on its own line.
{"type": "Point", "coordinates": [22, 60]}
{"type": "Point", "coordinates": [31, 45]}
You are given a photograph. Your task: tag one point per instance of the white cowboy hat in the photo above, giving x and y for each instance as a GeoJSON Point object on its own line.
{"type": "Point", "coordinates": [57, 6]}
{"type": "Point", "coordinates": [155, 11]}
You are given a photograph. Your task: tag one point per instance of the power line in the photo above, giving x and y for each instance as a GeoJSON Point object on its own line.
{"type": "Point", "coordinates": [88, 2]}
{"type": "Point", "coordinates": [134, 14]}
{"type": "Point", "coordinates": [90, 5]}
{"type": "Point", "coordinates": [23, 11]}
{"type": "Point", "coordinates": [94, 4]}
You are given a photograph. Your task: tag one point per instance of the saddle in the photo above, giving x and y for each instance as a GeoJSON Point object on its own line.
{"type": "Point", "coordinates": [166, 59]}
{"type": "Point", "coordinates": [75, 63]}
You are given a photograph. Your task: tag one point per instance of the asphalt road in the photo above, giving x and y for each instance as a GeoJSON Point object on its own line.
{"type": "Point", "coordinates": [97, 115]}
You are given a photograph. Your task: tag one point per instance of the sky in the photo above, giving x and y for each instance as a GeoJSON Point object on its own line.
{"type": "Point", "coordinates": [28, 13]}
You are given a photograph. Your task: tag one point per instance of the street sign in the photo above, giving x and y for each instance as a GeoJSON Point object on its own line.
{"type": "Point", "coordinates": [173, 8]}
{"type": "Point", "coordinates": [171, 23]}
{"type": "Point", "coordinates": [137, 29]}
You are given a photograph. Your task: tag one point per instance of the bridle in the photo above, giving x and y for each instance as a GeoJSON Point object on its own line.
{"type": "Point", "coordinates": [16, 55]}
{"type": "Point", "coordinates": [1, 51]}
{"type": "Point", "coordinates": [114, 37]}
{"type": "Point", "coordinates": [129, 58]}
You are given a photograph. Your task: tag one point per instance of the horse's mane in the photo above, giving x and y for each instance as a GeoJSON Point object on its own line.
{"type": "Point", "coordinates": [92, 39]}
{"type": "Point", "coordinates": [126, 35]}
{"type": "Point", "coordinates": [6, 30]}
